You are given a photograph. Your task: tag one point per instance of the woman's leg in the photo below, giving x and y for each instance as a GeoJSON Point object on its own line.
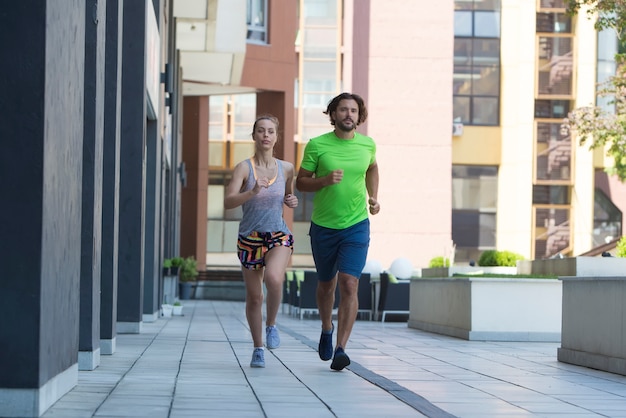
{"type": "Point", "coordinates": [276, 262]}
{"type": "Point", "coordinates": [254, 303]}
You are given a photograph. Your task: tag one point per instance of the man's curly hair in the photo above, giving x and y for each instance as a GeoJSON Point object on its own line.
{"type": "Point", "coordinates": [332, 106]}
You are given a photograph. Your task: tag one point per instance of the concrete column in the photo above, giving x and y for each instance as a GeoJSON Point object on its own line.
{"type": "Point", "coordinates": [40, 173]}
{"type": "Point", "coordinates": [132, 170]}
{"type": "Point", "coordinates": [154, 166]}
{"type": "Point", "coordinates": [111, 176]}
{"type": "Point", "coordinates": [194, 195]}
{"type": "Point", "coordinates": [273, 102]}
{"type": "Point", "coordinates": [91, 231]}
{"type": "Point", "coordinates": [152, 266]}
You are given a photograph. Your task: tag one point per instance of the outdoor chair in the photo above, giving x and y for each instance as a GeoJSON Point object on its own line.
{"type": "Point", "coordinates": [289, 277]}
{"type": "Point", "coordinates": [365, 295]}
{"type": "Point", "coordinates": [308, 295]}
{"type": "Point", "coordinates": [394, 297]}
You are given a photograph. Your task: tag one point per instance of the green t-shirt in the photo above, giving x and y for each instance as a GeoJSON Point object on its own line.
{"type": "Point", "coordinates": [343, 204]}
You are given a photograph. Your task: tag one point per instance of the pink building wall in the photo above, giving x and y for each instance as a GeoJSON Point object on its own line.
{"type": "Point", "coordinates": [402, 66]}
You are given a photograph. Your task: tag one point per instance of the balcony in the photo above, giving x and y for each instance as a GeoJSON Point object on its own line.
{"type": "Point", "coordinates": [211, 37]}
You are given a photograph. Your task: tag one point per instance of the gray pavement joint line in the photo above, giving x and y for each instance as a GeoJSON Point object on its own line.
{"type": "Point", "coordinates": [412, 399]}
{"type": "Point", "coordinates": [156, 335]}
{"type": "Point", "coordinates": [491, 376]}
{"type": "Point", "coordinates": [304, 384]}
{"type": "Point", "coordinates": [180, 361]}
{"type": "Point", "coordinates": [499, 379]}
{"type": "Point", "coordinates": [219, 320]}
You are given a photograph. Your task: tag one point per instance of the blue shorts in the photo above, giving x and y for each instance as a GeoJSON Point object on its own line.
{"type": "Point", "coordinates": [343, 250]}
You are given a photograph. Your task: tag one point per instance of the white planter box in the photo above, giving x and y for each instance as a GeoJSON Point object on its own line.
{"type": "Point", "coordinates": [594, 323]}
{"type": "Point", "coordinates": [487, 309]}
{"type": "Point", "coordinates": [177, 310]}
{"type": "Point", "coordinates": [167, 310]}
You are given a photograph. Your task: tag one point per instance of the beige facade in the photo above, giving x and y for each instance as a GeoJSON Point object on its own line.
{"type": "Point", "coordinates": [513, 146]}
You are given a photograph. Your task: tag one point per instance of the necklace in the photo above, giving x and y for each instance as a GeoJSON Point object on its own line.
{"type": "Point", "coordinates": [254, 163]}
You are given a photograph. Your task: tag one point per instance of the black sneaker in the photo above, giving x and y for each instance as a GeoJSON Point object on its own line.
{"type": "Point", "coordinates": [325, 347]}
{"type": "Point", "coordinates": [340, 360]}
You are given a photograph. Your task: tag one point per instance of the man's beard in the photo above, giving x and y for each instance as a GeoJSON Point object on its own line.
{"type": "Point", "coordinates": [342, 126]}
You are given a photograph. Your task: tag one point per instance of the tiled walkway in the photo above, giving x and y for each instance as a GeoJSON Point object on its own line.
{"type": "Point", "coordinates": [197, 365]}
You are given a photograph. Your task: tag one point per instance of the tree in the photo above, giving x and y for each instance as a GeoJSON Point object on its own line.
{"type": "Point", "coordinates": [592, 124]}
{"type": "Point", "coordinates": [609, 13]}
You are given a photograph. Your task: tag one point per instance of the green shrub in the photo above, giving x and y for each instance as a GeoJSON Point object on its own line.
{"type": "Point", "coordinates": [493, 258]}
{"type": "Point", "coordinates": [188, 270]}
{"type": "Point", "coordinates": [508, 258]}
{"type": "Point", "coordinates": [177, 261]}
{"type": "Point", "coordinates": [488, 258]}
{"type": "Point", "coordinates": [620, 249]}
{"type": "Point", "coordinates": [439, 262]}
{"type": "Point", "coordinates": [167, 263]}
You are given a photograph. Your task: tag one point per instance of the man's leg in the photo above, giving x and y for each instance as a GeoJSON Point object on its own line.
{"type": "Point", "coordinates": [348, 307]}
{"type": "Point", "coordinates": [324, 248]}
{"type": "Point", "coordinates": [325, 297]}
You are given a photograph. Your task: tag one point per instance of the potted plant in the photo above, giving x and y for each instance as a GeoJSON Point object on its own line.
{"type": "Point", "coordinates": [167, 264]}
{"type": "Point", "coordinates": [178, 308]}
{"type": "Point", "coordinates": [167, 310]}
{"type": "Point", "coordinates": [188, 273]}
{"type": "Point", "coordinates": [176, 263]}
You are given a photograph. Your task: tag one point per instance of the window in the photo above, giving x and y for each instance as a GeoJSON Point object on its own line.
{"type": "Point", "coordinates": [607, 219]}
{"type": "Point", "coordinates": [553, 23]}
{"type": "Point", "coordinates": [554, 92]}
{"type": "Point", "coordinates": [555, 66]}
{"type": "Point", "coordinates": [552, 231]}
{"type": "Point", "coordinates": [474, 201]}
{"type": "Point", "coordinates": [552, 4]}
{"type": "Point", "coordinates": [554, 195]}
{"type": "Point", "coordinates": [320, 65]}
{"type": "Point", "coordinates": [608, 46]}
{"type": "Point", "coordinates": [476, 81]}
{"type": "Point", "coordinates": [552, 109]}
{"type": "Point", "coordinates": [257, 21]}
{"type": "Point", "coordinates": [553, 154]}
{"type": "Point", "coordinates": [230, 128]}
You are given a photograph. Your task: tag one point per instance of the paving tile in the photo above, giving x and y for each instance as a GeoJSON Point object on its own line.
{"type": "Point", "coordinates": [198, 366]}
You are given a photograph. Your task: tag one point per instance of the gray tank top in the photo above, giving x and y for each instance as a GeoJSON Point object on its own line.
{"type": "Point", "coordinates": [264, 211]}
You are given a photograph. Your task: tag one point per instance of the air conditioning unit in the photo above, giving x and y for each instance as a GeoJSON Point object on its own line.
{"type": "Point", "coordinates": [457, 129]}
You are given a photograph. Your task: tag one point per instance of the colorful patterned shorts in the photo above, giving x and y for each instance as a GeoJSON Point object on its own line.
{"type": "Point", "coordinates": [251, 250]}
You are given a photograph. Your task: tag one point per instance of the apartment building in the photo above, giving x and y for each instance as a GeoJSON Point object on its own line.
{"type": "Point", "coordinates": [466, 101]}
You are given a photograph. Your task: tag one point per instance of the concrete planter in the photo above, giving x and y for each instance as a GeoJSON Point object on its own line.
{"type": "Point", "coordinates": [487, 309]}
{"type": "Point", "coordinates": [594, 323]}
{"type": "Point", "coordinates": [450, 271]}
{"type": "Point", "coordinates": [575, 266]}
{"type": "Point", "coordinates": [221, 290]}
